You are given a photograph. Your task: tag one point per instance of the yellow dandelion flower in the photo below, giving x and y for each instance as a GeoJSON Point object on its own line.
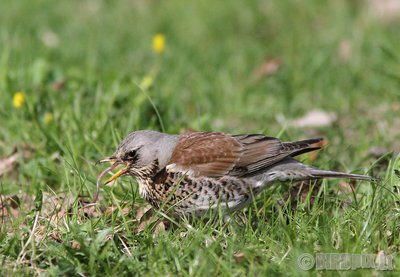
{"type": "Point", "coordinates": [18, 99]}
{"type": "Point", "coordinates": [158, 43]}
{"type": "Point", "coordinates": [147, 82]}
{"type": "Point", "coordinates": [48, 118]}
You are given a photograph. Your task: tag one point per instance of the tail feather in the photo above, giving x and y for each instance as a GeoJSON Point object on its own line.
{"type": "Point", "coordinates": [302, 170]}
{"type": "Point", "coordinates": [308, 142]}
{"type": "Point", "coordinates": [317, 173]}
{"type": "Point", "coordinates": [291, 170]}
{"type": "Point", "coordinates": [303, 146]}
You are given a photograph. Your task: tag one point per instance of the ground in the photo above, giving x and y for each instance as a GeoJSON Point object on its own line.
{"type": "Point", "coordinates": [77, 76]}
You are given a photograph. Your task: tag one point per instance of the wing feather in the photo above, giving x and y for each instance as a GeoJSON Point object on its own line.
{"type": "Point", "coordinates": [215, 154]}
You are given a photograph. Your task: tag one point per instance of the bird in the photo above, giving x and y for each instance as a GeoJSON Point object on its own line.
{"type": "Point", "coordinates": [192, 173]}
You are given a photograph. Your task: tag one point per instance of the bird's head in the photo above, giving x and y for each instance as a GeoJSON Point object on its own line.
{"type": "Point", "coordinates": [139, 151]}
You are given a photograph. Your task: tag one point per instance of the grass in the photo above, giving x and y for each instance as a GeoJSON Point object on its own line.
{"type": "Point", "coordinates": [81, 65]}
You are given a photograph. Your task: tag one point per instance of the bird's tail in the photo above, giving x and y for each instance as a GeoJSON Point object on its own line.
{"type": "Point", "coordinates": [318, 174]}
{"type": "Point", "coordinates": [291, 170]}
{"type": "Point", "coordinates": [302, 146]}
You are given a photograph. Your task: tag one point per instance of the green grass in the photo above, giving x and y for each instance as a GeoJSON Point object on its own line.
{"type": "Point", "coordinates": [204, 81]}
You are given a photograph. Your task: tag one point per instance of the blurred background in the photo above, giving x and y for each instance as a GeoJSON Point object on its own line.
{"type": "Point", "coordinates": [77, 76]}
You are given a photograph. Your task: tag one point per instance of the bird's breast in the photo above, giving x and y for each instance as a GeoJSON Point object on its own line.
{"type": "Point", "coordinates": [143, 187]}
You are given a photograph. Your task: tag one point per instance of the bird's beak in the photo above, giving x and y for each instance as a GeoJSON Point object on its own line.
{"type": "Point", "coordinates": [111, 159]}
{"type": "Point", "coordinates": [118, 174]}
{"type": "Point", "coordinates": [114, 162]}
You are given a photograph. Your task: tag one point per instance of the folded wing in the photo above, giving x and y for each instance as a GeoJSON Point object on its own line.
{"type": "Point", "coordinates": [215, 154]}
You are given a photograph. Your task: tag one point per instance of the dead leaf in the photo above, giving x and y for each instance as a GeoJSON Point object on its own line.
{"type": "Point", "coordinates": [347, 192]}
{"type": "Point", "coordinates": [345, 50]}
{"type": "Point", "coordinates": [58, 85]}
{"type": "Point", "coordinates": [89, 210]}
{"type": "Point", "coordinates": [239, 257]}
{"type": "Point", "coordinates": [75, 245]}
{"type": "Point", "coordinates": [144, 216]}
{"type": "Point", "coordinates": [9, 163]}
{"type": "Point", "coordinates": [141, 211]}
{"type": "Point", "coordinates": [14, 202]}
{"type": "Point", "coordinates": [14, 207]}
{"type": "Point", "coordinates": [9, 206]}
{"type": "Point", "coordinates": [346, 187]}
{"type": "Point", "coordinates": [49, 38]}
{"type": "Point", "coordinates": [386, 10]}
{"type": "Point", "coordinates": [268, 67]}
{"type": "Point", "coordinates": [314, 118]}
{"type": "Point", "coordinates": [299, 192]}
{"type": "Point", "coordinates": [314, 154]}
{"type": "Point", "coordinates": [124, 211]}
{"type": "Point", "coordinates": [160, 227]}
{"type": "Point", "coordinates": [56, 205]}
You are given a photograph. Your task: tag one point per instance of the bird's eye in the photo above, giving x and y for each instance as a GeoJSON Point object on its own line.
{"type": "Point", "coordinates": [131, 155]}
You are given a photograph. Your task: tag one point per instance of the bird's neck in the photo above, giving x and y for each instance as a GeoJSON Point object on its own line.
{"type": "Point", "coordinates": [144, 177]}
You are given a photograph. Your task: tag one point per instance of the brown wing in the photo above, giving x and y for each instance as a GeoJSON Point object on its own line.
{"type": "Point", "coordinates": [207, 154]}
{"type": "Point", "coordinates": [217, 154]}
{"type": "Point", "coordinates": [259, 151]}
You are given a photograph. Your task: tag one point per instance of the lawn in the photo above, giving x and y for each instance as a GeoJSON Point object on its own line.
{"type": "Point", "coordinates": [77, 76]}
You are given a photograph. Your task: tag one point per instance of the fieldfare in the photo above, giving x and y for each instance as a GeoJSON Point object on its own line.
{"type": "Point", "coordinates": [191, 173]}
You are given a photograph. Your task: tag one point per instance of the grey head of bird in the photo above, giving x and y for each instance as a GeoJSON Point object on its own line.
{"type": "Point", "coordinates": [141, 150]}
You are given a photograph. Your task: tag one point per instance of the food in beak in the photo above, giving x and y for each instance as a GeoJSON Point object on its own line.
{"type": "Point", "coordinates": [116, 175]}
{"type": "Point", "coordinates": [104, 172]}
